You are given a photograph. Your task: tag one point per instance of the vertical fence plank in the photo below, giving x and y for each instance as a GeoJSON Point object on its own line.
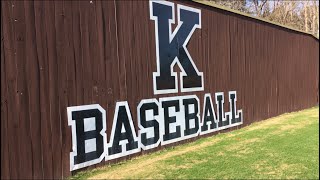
{"type": "Point", "coordinates": [70, 80]}
{"type": "Point", "coordinates": [22, 101]}
{"type": "Point", "coordinates": [32, 75]}
{"type": "Point", "coordinates": [42, 56]}
{"type": "Point", "coordinates": [5, 166]}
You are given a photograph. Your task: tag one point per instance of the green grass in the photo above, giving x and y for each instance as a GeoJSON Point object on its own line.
{"type": "Point", "coordinates": [284, 147]}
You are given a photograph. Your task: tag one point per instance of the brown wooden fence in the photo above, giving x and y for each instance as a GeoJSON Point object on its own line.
{"type": "Point", "coordinates": [56, 54]}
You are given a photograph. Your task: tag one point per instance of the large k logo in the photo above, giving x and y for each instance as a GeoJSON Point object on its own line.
{"type": "Point", "coordinates": [171, 48]}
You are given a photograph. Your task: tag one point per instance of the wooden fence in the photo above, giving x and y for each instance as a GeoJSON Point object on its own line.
{"type": "Point", "coordinates": [57, 54]}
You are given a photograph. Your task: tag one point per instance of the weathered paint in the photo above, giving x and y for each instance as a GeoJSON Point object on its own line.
{"type": "Point", "coordinates": [68, 53]}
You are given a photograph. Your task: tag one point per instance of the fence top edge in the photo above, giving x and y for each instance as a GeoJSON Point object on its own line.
{"type": "Point", "coordinates": [252, 17]}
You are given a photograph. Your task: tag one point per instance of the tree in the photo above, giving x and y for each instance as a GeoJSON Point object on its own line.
{"type": "Point", "coordinates": [302, 15]}
{"type": "Point", "coordinates": [239, 5]}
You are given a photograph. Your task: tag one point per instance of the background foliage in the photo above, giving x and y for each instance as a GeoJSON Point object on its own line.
{"type": "Point", "coordinates": [302, 15]}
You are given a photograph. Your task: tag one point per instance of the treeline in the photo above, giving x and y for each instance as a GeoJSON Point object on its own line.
{"type": "Point", "coordinates": [301, 15]}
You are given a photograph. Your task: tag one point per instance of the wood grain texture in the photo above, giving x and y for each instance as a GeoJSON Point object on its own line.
{"type": "Point", "coordinates": [68, 53]}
